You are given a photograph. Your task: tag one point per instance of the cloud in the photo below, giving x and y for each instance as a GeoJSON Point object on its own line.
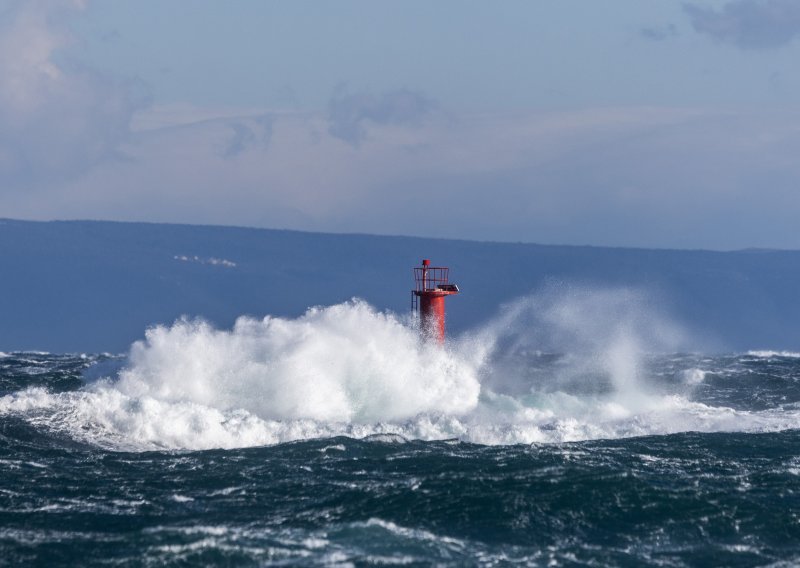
{"type": "Point", "coordinates": [347, 114]}
{"type": "Point", "coordinates": [247, 135]}
{"type": "Point", "coordinates": [659, 33]}
{"type": "Point", "coordinates": [57, 119]}
{"type": "Point", "coordinates": [749, 24]}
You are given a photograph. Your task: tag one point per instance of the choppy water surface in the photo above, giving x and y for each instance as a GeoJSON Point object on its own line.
{"type": "Point", "coordinates": [280, 442]}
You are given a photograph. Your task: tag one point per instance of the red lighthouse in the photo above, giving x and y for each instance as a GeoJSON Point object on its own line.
{"type": "Point", "coordinates": [432, 287]}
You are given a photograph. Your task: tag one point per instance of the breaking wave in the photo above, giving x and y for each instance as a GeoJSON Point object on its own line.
{"type": "Point", "coordinates": [560, 366]}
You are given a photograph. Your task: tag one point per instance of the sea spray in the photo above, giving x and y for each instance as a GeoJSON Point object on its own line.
{"type": "Point", "coordinates": [596, 338]}
{"type": "Point", "coordinates": [566, 364]}
{"type": "Point", "coordinates": [341, 363]}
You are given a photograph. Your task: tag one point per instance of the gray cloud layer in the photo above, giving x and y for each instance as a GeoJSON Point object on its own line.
{"type": "Point", "coordinates": [749, 24]}
{"type": "Point", "coordinates": [386, 163]}
{"type": "Point", "coordinates": [626, 176]}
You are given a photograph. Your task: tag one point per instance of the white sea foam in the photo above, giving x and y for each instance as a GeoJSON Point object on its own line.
{"type": "Point", "coordinates": [350, 370]}
{"type": "Point", "coordinates": [767, 354]}
{"type": "Point", "coordinates": [200, 260]}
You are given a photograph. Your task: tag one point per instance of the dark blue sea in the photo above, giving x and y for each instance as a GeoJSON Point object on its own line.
{"type": "Point", "coordinates": [288, 442]}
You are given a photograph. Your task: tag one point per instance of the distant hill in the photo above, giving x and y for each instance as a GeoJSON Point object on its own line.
{"type": "Point", "coordinates": [96, 286]}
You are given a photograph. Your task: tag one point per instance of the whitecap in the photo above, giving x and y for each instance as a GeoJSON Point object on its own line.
{"type": "Point", "coordinates": [768, 354]}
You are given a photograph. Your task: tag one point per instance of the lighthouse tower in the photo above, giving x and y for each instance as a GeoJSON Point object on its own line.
{"type": "Point", "coordinates": [432, 286]}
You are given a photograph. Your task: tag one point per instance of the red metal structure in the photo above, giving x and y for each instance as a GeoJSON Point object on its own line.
{"type": "Point", "coordinates": [431, 288]}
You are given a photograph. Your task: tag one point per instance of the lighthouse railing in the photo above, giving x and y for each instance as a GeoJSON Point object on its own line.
{"type": "Point", "coordinates": [431, 277]}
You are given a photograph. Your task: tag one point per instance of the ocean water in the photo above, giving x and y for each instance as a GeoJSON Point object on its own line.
{"type": "Point", "coordinates": [571, 430]}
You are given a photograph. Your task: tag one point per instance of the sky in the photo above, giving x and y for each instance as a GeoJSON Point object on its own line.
{"type": "Point", "coordinates": [638, 123]}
